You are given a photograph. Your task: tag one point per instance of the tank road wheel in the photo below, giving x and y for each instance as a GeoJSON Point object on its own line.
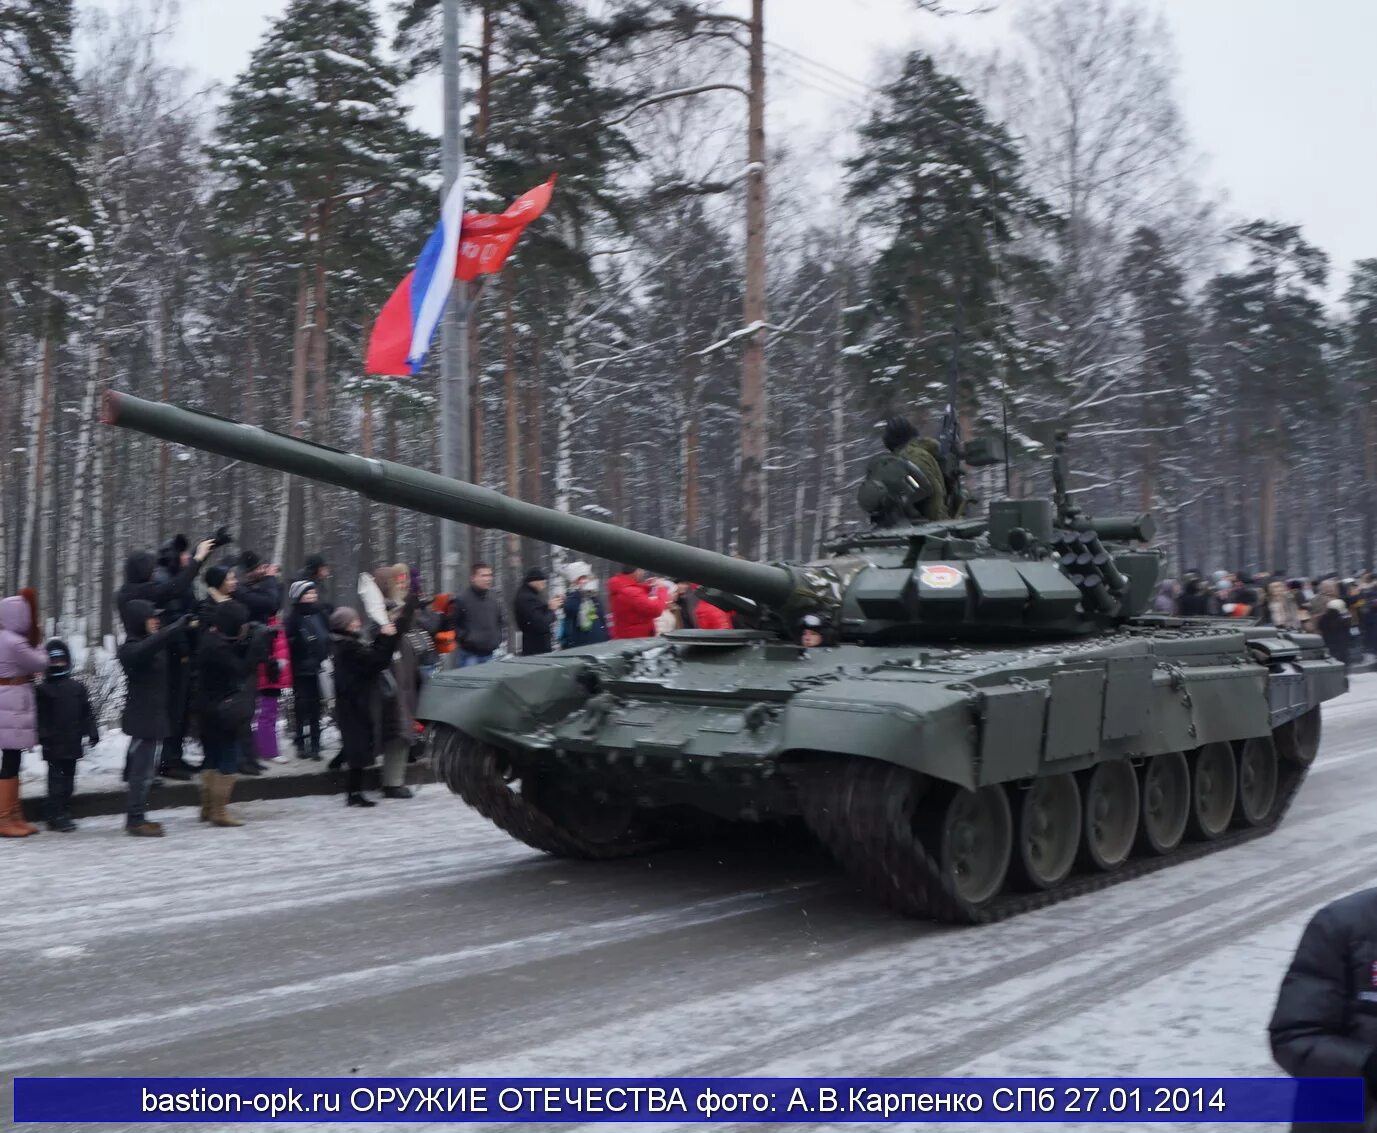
{"type": "Point", "coordinates": [1049, 830]}
{"type": "Point", "coordinates": [1111, 814]}
{"type": "Point", "coordinates": [1166, 802]}
{"type": "Point", "coordinates": [1214, 781]}
{"type": "Point", "coordinates": [546, 819]}
{"type": "Point", "coordinates": [977, 838]}
{"type": "Point", "coordinates": [1257, 781]}
{"type": "Point", "coordinates": [1298, 740]}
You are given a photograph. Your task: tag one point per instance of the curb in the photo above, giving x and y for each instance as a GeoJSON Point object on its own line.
{"type": "Point", "coordinates": [247, 788]}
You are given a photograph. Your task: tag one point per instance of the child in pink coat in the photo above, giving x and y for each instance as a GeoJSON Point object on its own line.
{"type": "Point", "coordinates": [274, 675]}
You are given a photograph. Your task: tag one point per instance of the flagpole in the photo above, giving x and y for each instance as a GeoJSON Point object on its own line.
{"type": "Point", "coordinates": [456, 549]}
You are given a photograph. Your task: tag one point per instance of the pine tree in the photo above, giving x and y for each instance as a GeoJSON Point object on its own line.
{"type": "Point", "coordinates": [943, 187]}
{"type": "Point", "coordinates": [1268, 338]}
{"type": "Point", "coordinates": [318, 172]}
{"type": "Point", "coordinates": [1160, 317]}
{"type": "Point", "coordinates": [45, 237]}
{"type": "Point", "coordinates": [1360, 356]}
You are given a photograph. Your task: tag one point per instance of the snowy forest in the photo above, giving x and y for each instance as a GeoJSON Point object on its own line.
{"type": "Point", "coordinates": [1030, 223]}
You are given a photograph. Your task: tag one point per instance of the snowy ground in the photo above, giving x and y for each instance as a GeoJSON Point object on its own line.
{"type": "Point", "coordinates": [415, 939]}
{"type": "Point", "coordinates": [102, 767]}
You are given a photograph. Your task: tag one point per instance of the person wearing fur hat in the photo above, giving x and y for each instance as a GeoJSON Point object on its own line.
{"type": "Point", "coordinates": [535, 613]}
{"type": "Point", "coordinates": [308, 640]}
{"type": "Point", "coordinates": [359, 669]}
{"type": "Point", "coordinates": [20, 660]}
{"type": "Point", "coordinates": [64, 720]}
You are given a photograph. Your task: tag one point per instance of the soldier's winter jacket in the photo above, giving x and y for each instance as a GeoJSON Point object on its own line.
{"type": "Point", "coordinates": [1325, 1022]}
{"type": "Point", "coordinates": [20, 659]}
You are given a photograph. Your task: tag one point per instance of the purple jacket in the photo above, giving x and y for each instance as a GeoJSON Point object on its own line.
{"type": "Point", "coordinates": [18, 724]}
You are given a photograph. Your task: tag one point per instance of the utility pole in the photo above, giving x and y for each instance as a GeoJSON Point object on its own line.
{"type": "Point", "coordinates": [753, 388]}
{"type": "Point", "coordinates": [456, 540]}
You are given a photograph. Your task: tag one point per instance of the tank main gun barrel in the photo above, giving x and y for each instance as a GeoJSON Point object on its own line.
{"type": "Point", "coordinates": [456, 500]}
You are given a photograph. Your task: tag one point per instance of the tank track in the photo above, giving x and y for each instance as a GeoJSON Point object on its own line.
{"type": "Point", "coordinates": [478, 774]}
{"type": "Point", "coordinates": [860, 809]}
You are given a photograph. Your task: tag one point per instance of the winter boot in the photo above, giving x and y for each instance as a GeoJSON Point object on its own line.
{"type": "Point", "coordinates": [12, 824]}
{"type": "Point", "coordinates": [397, 793]}
{"type": "Point", "coordinates": [176, 769]}
{"type": "Point", "coordinates": [358, 798]}
{"type": "Point", "coordinates": [337, 762]}
{"type": "Point", "coordinates": [220, 795]}
{"type": "Point", "coordinates": [139, 827]}
{"type": "Point", "coordinates": [208, 778]}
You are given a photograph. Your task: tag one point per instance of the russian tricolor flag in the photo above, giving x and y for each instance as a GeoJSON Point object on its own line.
{"type": "Point", "coordinates": [463, 247]}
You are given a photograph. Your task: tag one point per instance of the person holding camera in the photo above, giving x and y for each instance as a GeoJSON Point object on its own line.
{"type": "Point", "coordinates": [227, 661]}
{"type": "Point", "coordinates": [144, 658]}
{"type": "Point", "coordinates": [261, 588]}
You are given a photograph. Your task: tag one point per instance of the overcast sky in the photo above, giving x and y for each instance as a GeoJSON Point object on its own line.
{"type": "Point", "coordinates": [1281, 95]}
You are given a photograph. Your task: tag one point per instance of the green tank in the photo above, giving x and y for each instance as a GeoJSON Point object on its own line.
{"type": "Point", "coordinates": [992, 723]}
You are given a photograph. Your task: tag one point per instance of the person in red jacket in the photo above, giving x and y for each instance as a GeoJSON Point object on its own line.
{"type": "Point", "coordinates": [696, 613]}
{"type": "Point", "coordinates": [635, 605]}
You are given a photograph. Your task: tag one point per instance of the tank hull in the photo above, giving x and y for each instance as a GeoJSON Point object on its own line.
{"type": "Point", "coordinates": [863, 747]}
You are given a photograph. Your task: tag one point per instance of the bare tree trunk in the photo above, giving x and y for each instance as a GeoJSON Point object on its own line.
{"type": "Point", "coordinates": [512, 418]}
{"type": "Point", "coordinates": [533, 439]}
{"type": "Point", "coordinates": [390, 510]}
{"type": "Point", "coordinates": [291, 540]}
{"type": "Point", "coordinates": [754, 418]}
{"type": "Point", "coordinates": [76, 562]}
{"type": "Point", "coordinates": [38, 454]}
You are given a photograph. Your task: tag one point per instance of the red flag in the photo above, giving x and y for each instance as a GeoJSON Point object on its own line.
{"type": "Point", "coordinates": [486, 240]}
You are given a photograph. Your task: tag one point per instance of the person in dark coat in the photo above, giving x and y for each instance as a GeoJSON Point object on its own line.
{"type": "Point", "coordinates": [142, 579]}
{"type": "Point", "coordinates": [535, 615]}
{"type": "Point", "coordinates": [359, 667]}
{"type": "Point", "coordinates": [143, 656]}
{"type": "Point", "coordinates": [479, 624]}
{"type": "Point", "coordinates": [308, 639]}
{"type": "Point", "coordinates": [1195, 600]}
{"type": "Point", "coordinates": [227, 660]}
{"type": "Point", "coordinates": [64, 720]}
{"type": "Point", "coordinates": [317, 572]}
{"type": "Point", "coordinates": [1325, 1021]}
{"type": "Point", "coordinates": [585, 620]}
{"type": "Point", "coordinates": [260, 590]}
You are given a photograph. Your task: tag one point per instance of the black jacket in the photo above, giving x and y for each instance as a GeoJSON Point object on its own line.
{"type": "Point", "coordinates": [225, 669]}
{"type": "Point", "coordinates": [144, 660]}
{"type": "Point", "coordinates": [359, 666]}
{"type": "Point", "coordinates": [167, 591]}
{"type": "Point", "coordinates": [262, 599]}
{"type": "Point", "coordinates": [308, 638]}
{"type": "Point", "coordinates": [1325, 1022]}
{"type": "Point", "coordinates": [480, 626]}
{"type": "Point", "coordinates": [535, 620]}
{"type": "Point", "coordinates": [64, 716]}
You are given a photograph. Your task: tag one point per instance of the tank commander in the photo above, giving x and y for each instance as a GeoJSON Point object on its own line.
{"type": "Point", "coordinates": [902, 439]}
{"type": "Point", "coordinates": [814, 631]}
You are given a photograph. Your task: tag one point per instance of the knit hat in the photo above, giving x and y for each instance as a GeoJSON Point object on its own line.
{"type": "Point", "coordinates": [250, 561]}
{"type": "Point", "coordinates": [535, 574]}
{"type": "Point", "coordinates": [314, 564]}
{"type": "Point", "coordinates": [343, 618]}
{"type": "Point", "coordinates": [298, 589]}
{"type": "Point", "coordinates": [215, 577]}
{"type": "Point", "coordinates": [574, 571]}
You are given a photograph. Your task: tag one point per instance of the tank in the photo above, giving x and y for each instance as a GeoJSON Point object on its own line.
{"type": "Point", "coordinates": [992, 723]}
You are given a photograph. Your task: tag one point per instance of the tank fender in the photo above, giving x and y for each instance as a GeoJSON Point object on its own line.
{"type": "Point", "coordinates": [927, 727]}
{"type": "Point", "coordinates": [518, 696]}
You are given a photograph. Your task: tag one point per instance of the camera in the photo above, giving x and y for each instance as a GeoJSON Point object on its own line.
{"type": "Point", "coordinates": [221, 537]}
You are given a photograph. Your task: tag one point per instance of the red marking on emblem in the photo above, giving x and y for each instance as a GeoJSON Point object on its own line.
{"type": "Point", "coordinates": [940, 576]}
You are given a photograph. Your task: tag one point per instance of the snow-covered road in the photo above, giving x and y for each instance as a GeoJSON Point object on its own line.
{"type": "Point", "coordinates": [416, 939]}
